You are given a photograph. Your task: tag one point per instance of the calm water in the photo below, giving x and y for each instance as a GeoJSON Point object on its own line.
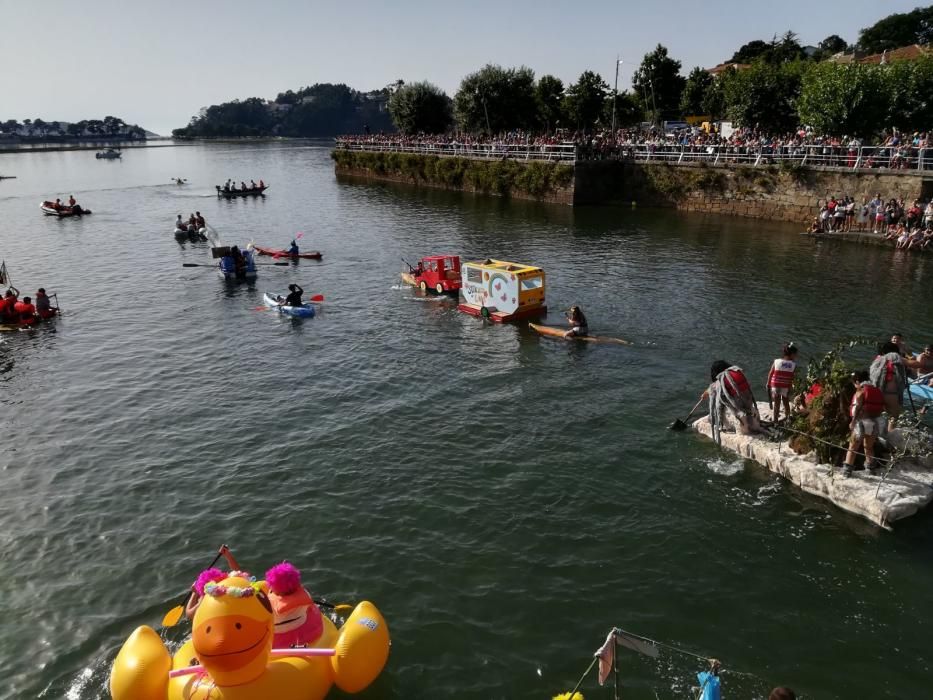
{"type": "Point", "coordinates": [504, 499]}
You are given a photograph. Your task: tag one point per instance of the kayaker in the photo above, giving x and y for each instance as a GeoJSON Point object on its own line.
{"type": "Point", "coordinates": [578, 323]}
{"type": "Point", "coordinates": [889, 374]}
{"type": "Point", "coordinates": [25, 312]}
{"type": "Point", "coordinates": [293, 248]}
{"type": "Point", "coordinates": [865, 412]}
{"type": "Point", "coordinates": [294, 297]}
{"type": "Point", "coordinates": [730, 390]}
{"type": "Point", "coordinates": [44, 304]}
{"type": "Point", "coordinates": [780, 381]}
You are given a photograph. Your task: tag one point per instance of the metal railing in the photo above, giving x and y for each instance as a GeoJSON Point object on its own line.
{"type": "Point", "coordinates": [890, 158]}
{"type": "Point", "coordinates": [488, 151]}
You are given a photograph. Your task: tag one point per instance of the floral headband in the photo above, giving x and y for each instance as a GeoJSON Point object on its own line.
{"type": "Point", "coordinates": [215, 590]}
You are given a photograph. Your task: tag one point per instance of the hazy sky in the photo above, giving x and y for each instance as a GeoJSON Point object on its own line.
{"type": "Point", "coordinates": [157, 63]}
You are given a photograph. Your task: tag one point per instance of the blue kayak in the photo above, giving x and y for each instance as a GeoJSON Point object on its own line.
{"type": "Point", "coordinates": [921, 391]}
{"type": "Point", "coordinates": [275, 301]}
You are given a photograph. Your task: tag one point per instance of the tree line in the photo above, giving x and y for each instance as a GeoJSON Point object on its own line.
{"type": "Point", "coordinates": [34, 129]}
{"type": "Point", "coordinates": [323, 109]}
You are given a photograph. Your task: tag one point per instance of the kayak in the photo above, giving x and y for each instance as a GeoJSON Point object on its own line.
{"type": "Point", "coordinates": [273, 300]}
{"type": "Point", "coordinates": [555, 332]}
{"type": "Point", "coordinates": [279, 253]}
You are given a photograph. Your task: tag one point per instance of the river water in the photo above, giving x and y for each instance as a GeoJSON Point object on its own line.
{"type": "Point", "coordinates": [505, 499]}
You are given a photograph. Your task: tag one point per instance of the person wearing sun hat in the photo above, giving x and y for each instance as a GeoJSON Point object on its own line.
{"type": "Point", "coordinates": [298, 620]}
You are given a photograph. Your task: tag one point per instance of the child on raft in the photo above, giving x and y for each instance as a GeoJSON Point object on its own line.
{"type": "Point", "coordinates": [578, 323]}
{"type": "Point", "coordinates": [781, 380]}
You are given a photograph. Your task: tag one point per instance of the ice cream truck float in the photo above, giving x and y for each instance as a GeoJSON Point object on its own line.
{"type": "Point", "coordinates": [502, 291]}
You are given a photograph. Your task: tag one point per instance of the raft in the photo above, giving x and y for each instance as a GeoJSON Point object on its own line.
{"type": "Point", "coordinates": [230, 656]}
{"type": "Point", "coordinates": [303, 311]}
{"type": "Point", "coordinates": [253, 192]}
{"type": "Point", "coordinates": [907, 489]}
{"type": "Point", "coordinates": [49, 209]}
{"type": "Point", "coordinates": [182, 233]}
{"type": "Point", "coordinates": [279, 253]}
{"type": "Point", "coordinates": [555, 332]}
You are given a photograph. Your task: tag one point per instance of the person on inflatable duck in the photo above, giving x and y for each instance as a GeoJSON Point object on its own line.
{"type": "Point", "coordinates": [211, 575]}
{"type": "Point", "coordinates": [298, 621]}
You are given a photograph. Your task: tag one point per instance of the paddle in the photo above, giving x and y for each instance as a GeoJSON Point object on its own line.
{"type": "Point", "coordinates": [282, 264]}
{"type": "Point", "coordinates": [682, 424]}
{"type": "Point", "coordinates": [339, 608]}
{"type": "Point", "coordinates": [172, 617]}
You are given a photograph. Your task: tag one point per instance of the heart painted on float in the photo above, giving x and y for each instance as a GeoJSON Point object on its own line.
{"type": "Point", "coordinates": [498, 286]}
{"type": "Point", "coordinates": [505, 297]}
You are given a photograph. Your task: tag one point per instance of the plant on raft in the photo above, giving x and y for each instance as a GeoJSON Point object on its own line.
{"type": "Point", "coordinates": [827, 416]}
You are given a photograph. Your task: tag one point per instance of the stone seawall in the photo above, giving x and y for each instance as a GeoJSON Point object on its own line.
{"type": "Point", "coordinates": [785, 192]}
{"type": "Point", "coordinates": [550, 182]}
{"type": "Point", "coordinates": [762, 192]}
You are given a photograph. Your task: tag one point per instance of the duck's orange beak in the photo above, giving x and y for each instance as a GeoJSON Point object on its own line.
{"type": "Point", "coordinates": [229, 642]}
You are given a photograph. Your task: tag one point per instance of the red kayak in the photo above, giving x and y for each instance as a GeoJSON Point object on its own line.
{"type": "Point", "coordinates": [278, 253]}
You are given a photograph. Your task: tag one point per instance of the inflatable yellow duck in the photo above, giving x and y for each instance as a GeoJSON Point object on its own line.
{"type": "Point", "coordinates": [230, 655]}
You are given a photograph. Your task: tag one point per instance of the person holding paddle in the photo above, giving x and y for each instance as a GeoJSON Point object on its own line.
{"type": "Point", "coordinates": [210, 575]}
{"type": "Point", "coordinates": [578, 322]}
{"type": "Point", "coordinates": [294, 296]}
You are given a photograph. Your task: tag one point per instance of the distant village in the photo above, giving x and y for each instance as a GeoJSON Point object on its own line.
{"type": "Point", "coordinates": [40, 131]}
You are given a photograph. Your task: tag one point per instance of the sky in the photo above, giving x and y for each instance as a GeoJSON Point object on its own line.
{"type": "Point", "coordinates": [158, 63]}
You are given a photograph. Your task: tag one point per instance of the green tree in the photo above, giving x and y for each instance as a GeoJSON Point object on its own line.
{"type": "Point", "coordinates": [714, 100]}
{"type": "Point", "coordinates": [549, 96]}
{"type": "Point", "coordinates": [900, 29]}
{"type": "Point", "coordinates": [659, 79]}
{"type": "Point", "coordinates": [628, 110]}
{"type": "Point", "coordinates": [843, 100]}
{"type": "Point", "coordinates": [420, 107]}
{"type": "Point", "coordinates": [833, 44]}
{"type": "Point", "coordinates": [764, 96]}
{"type": "Point", "coordinates": [584, 100]}
{"type": "Point", "coordinates": [750, 51]}
{"type": "Point", "coordinates": [698, 84]}
{"type": "Point", "coordinates": [495, 99]}
{"type": "Point", "coordinates": [785, 49]}
{"type": "Point", "coordinates": [909, 86]}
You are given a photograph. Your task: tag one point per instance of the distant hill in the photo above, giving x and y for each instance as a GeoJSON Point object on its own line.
{"type": "Point", "coordinates": [38, 130]}
{"type": "Point", "coordinates": [323, 109]}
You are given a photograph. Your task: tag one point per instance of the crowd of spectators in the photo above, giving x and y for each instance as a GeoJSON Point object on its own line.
{"type": "Point", "coordinates": [907, 227]}
{"type": "Point", "coordinates": [894, 150]}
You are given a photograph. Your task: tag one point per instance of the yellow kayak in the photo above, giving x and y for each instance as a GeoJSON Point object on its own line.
{"type": "Point", "coordinates": [555, 332]}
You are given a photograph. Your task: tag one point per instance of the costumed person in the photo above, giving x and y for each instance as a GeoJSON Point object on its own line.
{"type": "Point", "coordinates": [865, 412]}
{"type": "Point", "coordinates": [781, 380]}
{"type": "Point", "coordinates": [578, 323]}
{"type": "Point", "coordinates": [889, 374]}
{"type": "Point", "coordinates": [298, 620]}
{"type": "Point", "coordinates": [730, 390]}
{"type": "Point", "coordinates": [211, 575]}
{"type": "Point", "coordinates": [294, 297]}
{"type": "Point", "coordinates": [293, 248]}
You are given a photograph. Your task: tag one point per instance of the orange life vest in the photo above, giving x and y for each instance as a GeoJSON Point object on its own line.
{"type": "Point", "coordinates": [26, 312]}
{"type": "Point", "coordinates": [872, 401]}
{"type": "Point", "coordinates": [782, 374]}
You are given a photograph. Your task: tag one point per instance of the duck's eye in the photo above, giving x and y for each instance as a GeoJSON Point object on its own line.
{"type": "Point", "coordinates": [208, 630]}
{"type": "Point", "coordinates": [239, 626]}
{"type": "Point", "coordinates": [194, 661]}
{"type": "Point", "coordinates": [262, 598]}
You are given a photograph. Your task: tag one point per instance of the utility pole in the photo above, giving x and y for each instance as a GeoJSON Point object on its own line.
{"type": "Point", "coordinates": [615, 94]}
{"type": "Point", "coordinates": [654, 104]}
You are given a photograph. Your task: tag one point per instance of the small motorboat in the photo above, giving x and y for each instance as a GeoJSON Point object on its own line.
{"type": "Point", "coordinates": [109, 154]}
{"type": "Point", "coordinates": [50, 209]}
{"type": "Point", "coordinates": [249, 192]}
{"type": "Point", "coordinates": [280, 253]}
{"type": "Point", "coordinates": [275, 301]}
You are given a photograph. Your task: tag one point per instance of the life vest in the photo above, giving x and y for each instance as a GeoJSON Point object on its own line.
{"type": "Point", "coordinates": [26, 312]}
{"type": "Point", "coordinates": [888, 371]}
{"type": "Point", "coordinates": [738, 381]}
{"type": "Point", "coordinates": [782, 374]}
{"type": "Point", "coordinates": [872, 401]}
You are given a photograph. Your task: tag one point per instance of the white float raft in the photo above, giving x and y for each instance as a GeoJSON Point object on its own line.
{"type": "Point", "coordinates": [904, 491]}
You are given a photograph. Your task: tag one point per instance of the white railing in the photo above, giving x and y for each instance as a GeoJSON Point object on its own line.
{"type": "Point", "coordinates": [489, 151]}
{"type": "Point", "coordinates": [896, 159]}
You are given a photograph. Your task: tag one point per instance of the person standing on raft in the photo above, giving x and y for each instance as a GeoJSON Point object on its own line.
{"type": "Point", "coordinates": [578, 323]}
{"type": "Point", "coordinates": [781, 380]}
{"type": "Point", "coordinates": [730, 390]}
{"type": "Point", "coordinates": [298, 620]}
{"type": "Point", "coordinates": [866, 425]}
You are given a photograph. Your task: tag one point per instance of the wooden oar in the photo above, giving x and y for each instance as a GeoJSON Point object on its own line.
{"type": "Point", "coordinates": [682, 424]}
{"type": "Point", "coordinates": [172, 617]}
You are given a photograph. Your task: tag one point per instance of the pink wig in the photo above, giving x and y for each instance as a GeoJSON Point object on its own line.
{"type": "Point", "coordinates": [283, 579]}
{"type": "Point", "coordinates": [208, 576]}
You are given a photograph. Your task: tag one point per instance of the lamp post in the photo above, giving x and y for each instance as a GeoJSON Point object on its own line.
{"type": "Point", "coordinates": [482, 99]}
{"type": "Point", "coordinates": [615, 95]}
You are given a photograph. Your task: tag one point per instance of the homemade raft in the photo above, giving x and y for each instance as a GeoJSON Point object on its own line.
{"type": "Point", "coordinates": [881, 499]}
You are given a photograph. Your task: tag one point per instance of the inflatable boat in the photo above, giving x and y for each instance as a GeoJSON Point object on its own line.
{"type": "Point", "coordinates": [48, 208]}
